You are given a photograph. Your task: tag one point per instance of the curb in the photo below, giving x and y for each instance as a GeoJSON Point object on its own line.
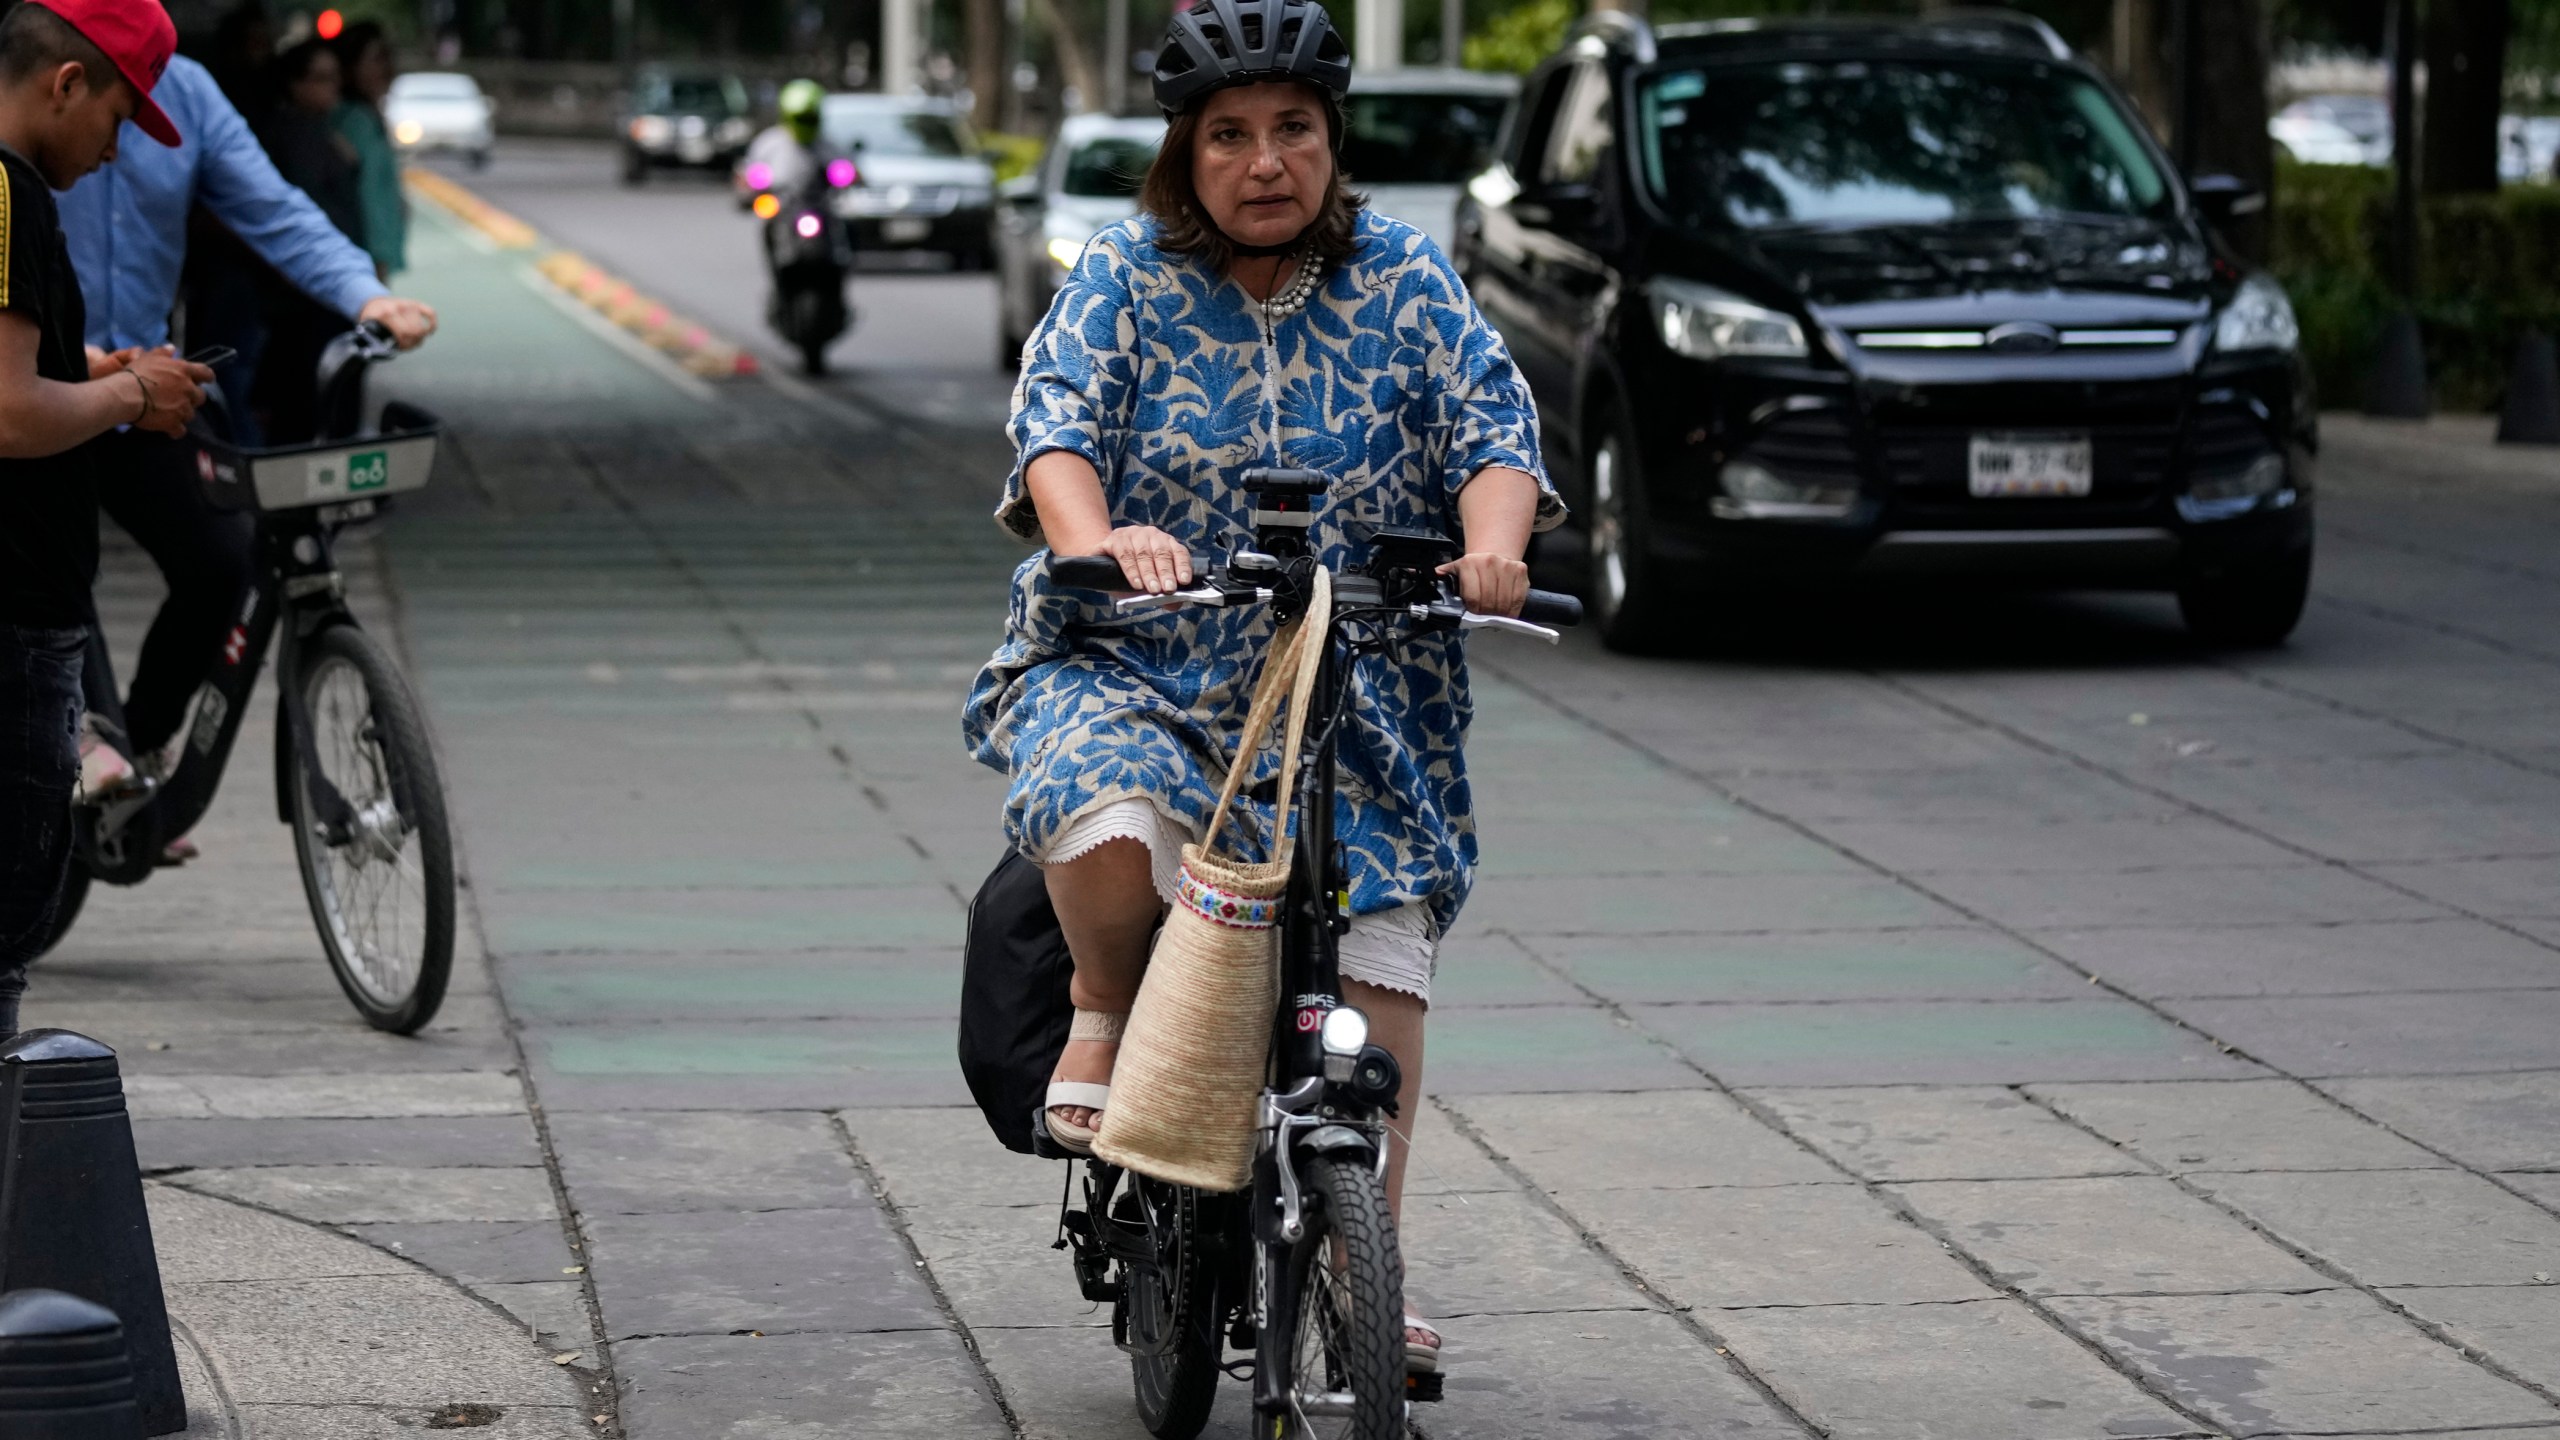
{"type": "Point", "coordinates": [652, 322]}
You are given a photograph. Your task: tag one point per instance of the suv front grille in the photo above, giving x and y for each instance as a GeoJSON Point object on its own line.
{"type": "Point", "coordinates": [1810, 445]}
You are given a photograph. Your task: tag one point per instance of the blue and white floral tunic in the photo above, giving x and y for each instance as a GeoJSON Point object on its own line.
{"type": "Point", "coordinates": [1168, 378]}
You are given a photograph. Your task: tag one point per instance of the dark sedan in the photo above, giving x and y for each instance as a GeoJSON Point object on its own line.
{"type": "Point", "coordinates": [1831, 302]}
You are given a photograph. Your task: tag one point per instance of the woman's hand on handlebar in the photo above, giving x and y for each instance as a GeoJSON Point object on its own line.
{"type": "Point", "coordinates": [1154, 561]}
{"type": "Point", "coordinates": [1490, 584]}
{"type": "Point", "coordinates": [409, 321]}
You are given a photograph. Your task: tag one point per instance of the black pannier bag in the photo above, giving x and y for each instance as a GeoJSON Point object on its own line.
{"type": "Point", "coordinates": [1014, 1009]}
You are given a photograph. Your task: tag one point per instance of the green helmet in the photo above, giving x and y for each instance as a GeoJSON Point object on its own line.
{"type": "Point", "coordinates": [800, 102]}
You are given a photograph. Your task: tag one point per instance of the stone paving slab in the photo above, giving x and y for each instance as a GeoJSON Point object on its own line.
{"type": "Point", "coordinates": [1796, 1245]}
{"type": "Point", "coordinates": [359, 1194]}
{"type": "Point", "coordinates": [705, 921]}
{"type": "Point", "coordinates": [1479, 968]}
{"type": "Point", "coordinates": [320, 1054]}
{"type": "Point", "coordinates": [873, 984]}
{"type": "Point", "coordinates": [326, 1096]}
{"type": "Point", "coordinates": [2110, 1235]}
{"type": "Point", "coordinates": [1545, 1048]}
{"type": "Point", "coordinates": [995, 1266]}
{"type": "Point", "coordinates": [2330, 1363]}
{"type": "Point", "coordinates": [1949, 1043]}
{"type": "Point", "coordinates": [927, 1158]}
{"type": "Point", "coordinates": [654, 1162]}
{"type": "Point", "coordinates": [2544, 1188]}
{"type": "Point", "coordinates": [2234, 1125]}
{"type": "Point", "coordinates": [737, 1066]}
{"type": "Point", "coordinates": [1504, 1254]}
{"type": "Point", "coordinates": [408, 1339]}
{"type": "Point", "coordinates": [1984, 1371]}
{"type": "Point", "coordinates": [2218, 895]}
{"type": "Point", "coordinates": [2517, 1326]}
{"type": "Point", "coordinates": [2002, 846]}
{"type": "Point", "coordinates": [1600, 1376]}
{"type": "Point", "coordinates": [390, 1422]}
{"type": "Point", "coordinates": [1071, 1385]}
{"type": "Point", "coordinates": [1946, 963]}
{"type": "Point", "coordinates": [917, 1386]}
{"type": "Point", "coordinates": [432, 1140]}
{"type": "Point", "coordinates": [697, 1273]}
{"type": "Point", "coordinates": [480, 1252]}
{"type": "Point", "coordinates": [2510, 888]}
{"type": "Point", "coordinates": [2402, 1227]}
{"type": "Point", "coordinates": [1662, 1139]}
{"type": "Point", "coordinates": [1967, 1132]}
{"type": "Point", "coordinates": [2494, 1122]}
{"type": "Point", "coordinates": [1690, 904]}
{"type": "Point", "coordinates": [200, 1239]}
{"type": "Point", "coordinates": [2387, 1035]}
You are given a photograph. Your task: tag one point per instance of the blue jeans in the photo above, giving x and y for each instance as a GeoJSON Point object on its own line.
{"type": "Point", "coordinates": [39, 768]}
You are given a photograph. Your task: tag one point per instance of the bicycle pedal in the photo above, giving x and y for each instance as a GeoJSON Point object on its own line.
{"type": "Point", "coordinates": [1421, 1386]}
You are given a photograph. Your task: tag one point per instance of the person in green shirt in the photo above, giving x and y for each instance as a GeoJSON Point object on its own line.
{"type": "Point", "coordinates": [364, 60]}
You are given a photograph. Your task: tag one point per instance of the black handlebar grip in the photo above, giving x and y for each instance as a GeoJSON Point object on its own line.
{"type": "Point", "coordinates": [1087, 572]}
{"type": "Point", "coordinates": [1546, 607]}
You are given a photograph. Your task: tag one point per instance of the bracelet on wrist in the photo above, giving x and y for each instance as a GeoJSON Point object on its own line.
{"type": "Point", "coordinates": [148, 402]}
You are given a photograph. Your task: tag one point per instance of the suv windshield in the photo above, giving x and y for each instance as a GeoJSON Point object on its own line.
{"type": "Point", "coordinates": [1878, 142]}
{"type": "Point", "coordinates": [1112, 166]}
{"type": "Point", "coordinates": [692, 95]}
{"type": "Point", "coordinates": [1419, 139]}
{"type": "Point", "coordinates": [893, 132]}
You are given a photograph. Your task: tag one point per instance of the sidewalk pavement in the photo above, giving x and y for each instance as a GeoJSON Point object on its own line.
{"type": "Point", "coordinates": [357, 1232]}
{"type": "Point", "coordinates": [2023, 1031]}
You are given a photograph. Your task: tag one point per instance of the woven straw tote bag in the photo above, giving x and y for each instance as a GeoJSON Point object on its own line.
{"type": "Point", "coordinates": [1199, 1038]}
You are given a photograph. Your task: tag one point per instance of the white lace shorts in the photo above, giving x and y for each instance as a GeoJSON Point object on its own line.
{"type": "Point", "coordinates": [1393, 949]}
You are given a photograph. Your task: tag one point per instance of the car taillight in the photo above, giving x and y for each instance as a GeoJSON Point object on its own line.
{"type": "Point", "coordinates": [841, 174]}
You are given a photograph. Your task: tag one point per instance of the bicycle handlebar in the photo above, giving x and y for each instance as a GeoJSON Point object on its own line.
{"type": "Point", "coordinates": [1101, 572]}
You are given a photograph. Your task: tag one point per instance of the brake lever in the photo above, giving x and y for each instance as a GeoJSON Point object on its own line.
{"type": "Point", "coordinates": [1512, 623]}
{"type": "Point", "coordinates": [1196, 595]}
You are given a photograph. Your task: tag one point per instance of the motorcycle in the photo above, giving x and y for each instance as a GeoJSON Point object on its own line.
{"type": "Point", "coordinates": [808, 252]}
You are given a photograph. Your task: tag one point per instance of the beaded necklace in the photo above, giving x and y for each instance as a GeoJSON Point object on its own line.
{"type": "Point", "coordinates": [1293, 297]}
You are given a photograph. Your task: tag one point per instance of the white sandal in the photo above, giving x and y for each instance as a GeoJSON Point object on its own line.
{"type": "Point", "coordinates": [1100, 1027]}
{"type": "Point", "coordinates": [1420, 1358]}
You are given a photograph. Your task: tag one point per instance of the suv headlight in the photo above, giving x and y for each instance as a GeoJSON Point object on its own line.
{"type": "Point", "coordinates": [1705, 323]}
{"type": "Point", "coordinates": [2259, 317]}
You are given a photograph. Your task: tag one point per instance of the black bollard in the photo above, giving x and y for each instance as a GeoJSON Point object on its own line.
{"type": "Point", "coordinates": [2399, 386]}
{"type": "Point", "coordinates": [64, 1373]}
{"type": "Point", "coordinates": [71, 1211]}
{"type": "Point", "coordinates": [2532, 414]}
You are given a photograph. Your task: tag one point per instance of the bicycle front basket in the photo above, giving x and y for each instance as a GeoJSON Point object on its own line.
{"type": "Point", "coordinates": [396, 457]}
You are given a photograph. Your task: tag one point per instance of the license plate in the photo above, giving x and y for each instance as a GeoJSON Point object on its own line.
{"type": "Point", "coordinates": [2029, 464]}
{"type": "Point", "coordinates": [905, 232]}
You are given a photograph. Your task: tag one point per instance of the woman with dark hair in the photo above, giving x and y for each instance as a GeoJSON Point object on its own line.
{"type": "Point", "coordinates": [314, 157]}
{"type": "Point", "coordinates": [365, 71]}
{"type": "Point", "coordinates": [1255, 314]}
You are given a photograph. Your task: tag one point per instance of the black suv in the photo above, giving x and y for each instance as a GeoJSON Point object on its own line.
{"type": "Point", "coordinates": [1839, 300]}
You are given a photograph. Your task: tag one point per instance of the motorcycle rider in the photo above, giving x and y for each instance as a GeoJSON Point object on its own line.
{"type": "Point", "coordinates": [783, 158]}
{"type": "Point", "coordinates": [126, 227]}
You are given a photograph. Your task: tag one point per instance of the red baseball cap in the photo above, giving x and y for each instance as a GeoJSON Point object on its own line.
{"type": "Point", "coordinates": [139, 37]}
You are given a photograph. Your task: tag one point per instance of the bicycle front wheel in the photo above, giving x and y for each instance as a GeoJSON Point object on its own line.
{"type": "Point", "coordinates": [1344, 1315]}
{"type": "Point", "coordinates": [380, 876]}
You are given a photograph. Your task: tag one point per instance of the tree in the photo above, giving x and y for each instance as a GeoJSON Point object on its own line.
{"type": "Point", "coordinates": [2464, 43]}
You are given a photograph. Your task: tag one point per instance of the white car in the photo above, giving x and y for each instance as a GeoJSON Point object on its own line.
{"type": "Point", "coordinates": [1086, 182]}
{"type": "Point", "coordinates": [435, 110]}
{"type": "Point", "coordinates": [1418, 136]}
{"type": "Point", "coordinates": [2311, 140]}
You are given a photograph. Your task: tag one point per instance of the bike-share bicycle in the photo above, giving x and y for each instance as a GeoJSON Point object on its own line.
{"type": "Point", "coordinates": [355, 778]}
{"type": "Point", "coordinates": [1301, 1269]}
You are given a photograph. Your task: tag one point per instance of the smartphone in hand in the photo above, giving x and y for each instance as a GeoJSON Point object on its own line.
{"type": "Point", "coordinates": [213, 355]}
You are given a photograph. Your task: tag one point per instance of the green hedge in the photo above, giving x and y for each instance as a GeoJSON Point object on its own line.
{"type": "Point", "coordinates": [2489, 270]}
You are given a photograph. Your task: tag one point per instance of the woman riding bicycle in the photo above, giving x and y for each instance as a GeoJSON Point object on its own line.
{"type": "Point", "coordinates": [1255, 314]}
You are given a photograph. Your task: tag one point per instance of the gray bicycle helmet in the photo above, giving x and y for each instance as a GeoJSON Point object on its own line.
{"type": "Point", "coordinates": [1217, 43]}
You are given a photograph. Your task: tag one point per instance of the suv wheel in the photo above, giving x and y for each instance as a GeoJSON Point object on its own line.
{"type": "Point", "coordinates": [1628, 594]}
{"type": "Point", "coordinates": [2249, 608]}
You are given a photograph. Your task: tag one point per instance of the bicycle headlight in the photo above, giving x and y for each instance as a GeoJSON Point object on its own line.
{"type": "Point", "coordinates": [2259, 317]}
{"type": "Point", "coordinates": [1705, 323]}
{"type": "Point", "coordinates": [1345, 1031]}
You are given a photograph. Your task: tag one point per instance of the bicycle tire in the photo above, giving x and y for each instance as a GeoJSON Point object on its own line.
{"type": "Point", "coordinates": [386, 760]}
{"type": "Point", "coordinates": [1362, 1351]}
{"type": "Point", "coordinates": [1177, 1385]}
{"type": "Point", "coordinates": [66, 908]}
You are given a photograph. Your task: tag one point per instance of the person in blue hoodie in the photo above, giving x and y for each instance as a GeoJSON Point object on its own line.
{"type": "Point", "coordinates": [126, 226]}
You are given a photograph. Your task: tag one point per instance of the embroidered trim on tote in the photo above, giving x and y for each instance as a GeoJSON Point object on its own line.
{"type": "Point", "coordinates": [1236, 912]}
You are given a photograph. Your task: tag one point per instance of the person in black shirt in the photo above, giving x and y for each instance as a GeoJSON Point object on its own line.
{"type": "Point", "coordinates": [71, 73]}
